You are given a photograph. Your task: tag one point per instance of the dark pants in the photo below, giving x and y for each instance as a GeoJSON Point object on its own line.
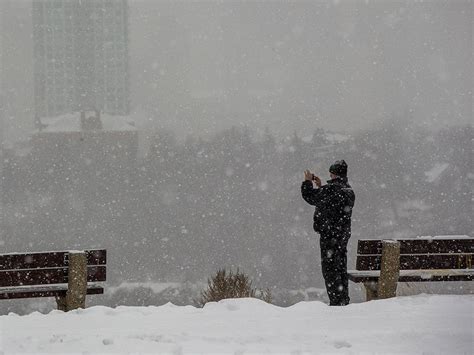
{"type": "Point", "coordinates": [334, 265]}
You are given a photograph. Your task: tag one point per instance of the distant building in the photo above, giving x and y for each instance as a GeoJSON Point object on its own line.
{"type": "Point", "coordinates": [81, 58]}
{"type": "Point", "coordinates": [16, 70]}
{"type": "Point", "coordinates": [2, 111]}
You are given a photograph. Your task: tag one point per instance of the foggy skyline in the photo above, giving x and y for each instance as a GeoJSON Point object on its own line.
{"type": "Point", "coordinates": [202, 66]}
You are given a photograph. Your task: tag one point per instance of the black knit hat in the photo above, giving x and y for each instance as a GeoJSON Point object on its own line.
{"type": "Point", "coordinates": [339, 168]}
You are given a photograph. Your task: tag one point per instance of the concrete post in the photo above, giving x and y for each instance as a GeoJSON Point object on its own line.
{"type": "Point", "coordinates": [389, 269]}
{"type": "Point", "coordinates": [371, 290]}
{"type": "Point", "coordinates": [61, 302]}
{"type": "Point", "coordinates": [77, 281]}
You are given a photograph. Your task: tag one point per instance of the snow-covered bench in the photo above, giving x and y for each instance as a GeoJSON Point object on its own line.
{"type": "Point", "coordinates": [66, 275]}
{"type": "Point", "coordinates": [443, 258]}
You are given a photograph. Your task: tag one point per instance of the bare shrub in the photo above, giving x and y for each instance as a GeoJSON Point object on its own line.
{"type": "Point", "coordinates": [229, 285]}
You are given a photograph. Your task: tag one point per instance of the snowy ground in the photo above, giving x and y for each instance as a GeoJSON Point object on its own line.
{"type": "Point", "coordinates": [416, 324]}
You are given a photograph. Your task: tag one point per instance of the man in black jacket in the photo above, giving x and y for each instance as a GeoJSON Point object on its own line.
{"type": "Point", "coordinates": [332, 220]}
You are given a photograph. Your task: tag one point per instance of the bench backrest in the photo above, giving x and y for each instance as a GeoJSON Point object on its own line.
{"type": "Point", "coordinates": [420, 253]}
{"type": "Point", "coordinates": [47, 268]}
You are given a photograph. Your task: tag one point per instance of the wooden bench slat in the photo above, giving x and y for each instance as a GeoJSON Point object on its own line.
{"type": "Point", "coordinates": [47, 259]}
{"type": "Point", "coordinates": [29, 277]}
{"type": "Point", "coordinates": [96, 273]}
{"type": "Point", "coordinates": [43, 291]}
{"type": "Point", "coordinates": [413, 260]}
{"type": "Point", "coordinates": [48, 274]}
{"type": "Point", "coordinates": [419, 261]}
{"type": "Point", "coordinates": [419, 245]}
{"type": "Point", "coordinates": [415, 275]}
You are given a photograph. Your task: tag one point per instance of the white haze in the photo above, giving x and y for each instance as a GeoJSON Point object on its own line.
{"type": "Point", "coordinates": [232, 100]}
{"type": "Point", "coordinates": [343, 65]}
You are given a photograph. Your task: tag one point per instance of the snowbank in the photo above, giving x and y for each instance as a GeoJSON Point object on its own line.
{"type": "Point", "coordinates": [433, 324]}
{"type": "Point", "coordinates": [436, 172]}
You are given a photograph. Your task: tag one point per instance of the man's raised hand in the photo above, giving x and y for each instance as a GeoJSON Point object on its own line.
{"type": "Point", "coordinates": [317, 181]}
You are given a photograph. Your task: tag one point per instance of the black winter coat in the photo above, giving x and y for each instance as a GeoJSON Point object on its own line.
{"type": "Point", "coordinates": [333, 205]}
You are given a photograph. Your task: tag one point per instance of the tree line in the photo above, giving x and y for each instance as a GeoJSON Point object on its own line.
{"type": "Point", "coordinates": [186, 208]}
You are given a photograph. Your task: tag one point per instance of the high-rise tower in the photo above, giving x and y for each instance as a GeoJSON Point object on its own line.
{"type": "Point", "coordinates": [81, 56]}
{"type": "Point", "coordinates": [2, 112]}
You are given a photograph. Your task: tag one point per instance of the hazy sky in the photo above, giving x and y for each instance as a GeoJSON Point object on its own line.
{"type": "Point", "coordinates": [341, 65]}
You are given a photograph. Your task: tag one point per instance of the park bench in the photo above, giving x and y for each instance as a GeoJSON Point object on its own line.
{"type": "Point", "coordinates": [66, 275]}
{"type": "Point", "coordinates": [380, 264]}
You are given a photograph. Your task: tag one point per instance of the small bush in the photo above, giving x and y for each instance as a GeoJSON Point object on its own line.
{"type": "Point", "coordinates": [229, 285]}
